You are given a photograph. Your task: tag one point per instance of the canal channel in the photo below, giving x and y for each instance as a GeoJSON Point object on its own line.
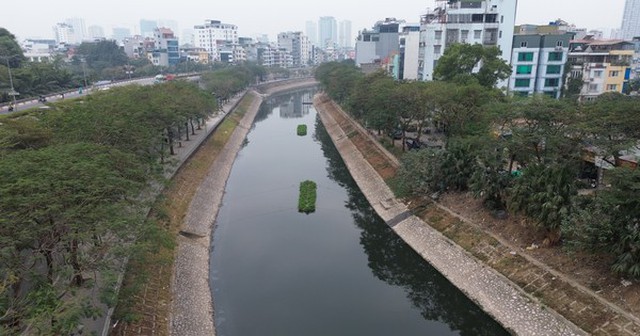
{"type": "Point", "coordinates": [338, 271]}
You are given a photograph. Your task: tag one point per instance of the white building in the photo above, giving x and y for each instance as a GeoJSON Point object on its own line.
{"type": "Point", "coordinates": [538, 64]}
{"type": "Point", "coordinates": [487, 22]}
{"type": "Point", "coordinates": [213, 35]}
{"type": "Point", "coordinates": [328, 32]}
{"type": "Point", "coordinates": [79, 29]}
{"type": "Point", "coordinates": [96, 33]}
{"type": "Point", "coordinates": [64, 33]}
{"type": "Point", "coordinates": [344, 34]}
{"type": "Point", "coordinates": [298, 45]}
{"type": "Point", "coordinates": [631, 20]}
{"type": "Point", "coordinates": [311, 29]}
{"type": "Point", "coordinates": [409, 52]}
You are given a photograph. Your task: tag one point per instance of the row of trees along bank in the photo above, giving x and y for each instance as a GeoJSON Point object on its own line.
{"type": "Point", "coordinates": [519, 155]}
{"type": "Point", "coordinates": [72, 205]}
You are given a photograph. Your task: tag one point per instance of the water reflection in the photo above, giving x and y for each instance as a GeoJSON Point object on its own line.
{"type": "Point", "coordinates": [394, 262]}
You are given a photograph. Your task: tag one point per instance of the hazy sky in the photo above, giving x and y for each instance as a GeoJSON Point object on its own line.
{"type": "Point", "coordinates": [34, 18]}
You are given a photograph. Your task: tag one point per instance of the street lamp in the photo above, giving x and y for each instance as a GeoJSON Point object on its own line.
{"type": "Point", "coordinates": [13, 92]}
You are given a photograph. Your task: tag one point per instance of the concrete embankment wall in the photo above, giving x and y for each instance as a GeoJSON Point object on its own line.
{"type": "Point", "coordinates": [192, 304]}
{"type": "Point", "coordinates": [499, 297]}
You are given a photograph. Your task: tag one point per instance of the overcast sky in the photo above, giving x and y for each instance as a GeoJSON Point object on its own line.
{"type": "Point", "coordinates": [35, 18]}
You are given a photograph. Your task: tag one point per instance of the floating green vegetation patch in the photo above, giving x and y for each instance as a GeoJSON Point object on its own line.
{"type": "Point", "coordinates": [302, 130]}
{"type": "Point", "coordinates": [307, 200]}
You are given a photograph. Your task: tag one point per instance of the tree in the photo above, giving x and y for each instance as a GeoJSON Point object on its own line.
{"type": "Point", "coordinates": [101, 55]}
{"type": "Point", "coordinates": [70, 206]}
{"type": "Point", "coordinates": [10, 49]}
{"type": "Point", "coordinates": [610, 222]}
{"type": "Point", "coordinates": [458, 62]}
{"type": "Point", "coordinates": [611, 124]}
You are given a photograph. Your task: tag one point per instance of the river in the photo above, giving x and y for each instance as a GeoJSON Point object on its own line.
{"type": "Point", "coordinates": [338, 271]}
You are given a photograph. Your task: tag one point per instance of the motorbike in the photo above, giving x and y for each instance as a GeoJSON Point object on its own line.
{"type": "Point", "coordinates": [42, 99]}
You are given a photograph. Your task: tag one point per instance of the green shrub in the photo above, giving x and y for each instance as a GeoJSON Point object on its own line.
{"type": "Point", "coordinates": [302, 130]}
{"type": "Point", "coordinates": [307, 199]}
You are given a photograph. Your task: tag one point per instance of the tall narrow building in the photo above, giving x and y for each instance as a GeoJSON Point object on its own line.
{"type": "Point", "coordinates": [311, 29]}
{"type": "Point", "coordinates": [344, 34]}
{"type": "Point", "coordinates": [631, 20]}
{"type": "Point", "coordinates": [487, 22]}
{"type": "Point", "coordinates": [328, 35]}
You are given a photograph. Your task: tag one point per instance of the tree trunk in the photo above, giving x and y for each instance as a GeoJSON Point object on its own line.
{"type": "Point", "coordinates": [186, 130]}
{"type": "Point", "coordinates": [193, 129]}
{"type": "Point", "coordinates": [77, 276]}
{"type": "Point", "coordinates": [170, 138]}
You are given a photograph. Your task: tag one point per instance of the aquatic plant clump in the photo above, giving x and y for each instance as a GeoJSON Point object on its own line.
{"type": "Point", "coordinates": [302, 130]}
{"type": "Point", "coordinates": [307, 199]}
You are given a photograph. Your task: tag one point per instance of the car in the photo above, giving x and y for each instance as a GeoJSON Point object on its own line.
{"type": "Point", "coordinates": [396, 134]}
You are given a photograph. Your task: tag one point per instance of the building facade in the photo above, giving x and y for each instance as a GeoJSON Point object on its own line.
{"type": "Point", "coordinates": [344, 34]}
{"type": "Point", "coordinates": [327, 32]}
{"type": "Point", "coordinates": [538, 63]}
{"type": "Point", "coordinates": [147, 27]}
{"type": "Point", "coordinates": [64, 33]}
{"type": "Point", "coordinates": [380, 44]}
{"type": "Point", "coordinates": [487, 22]}
{"type": "Point", "coordinates": [601, 66]}
{"type": "Point", "coordinates": [409, 52]}
{"type": "Point", "coordinates": [311, 29]}
{"type": "Point", "coordinates": [631, 20]}
{"type": "Point", "coordinates": [79, 29]}
{"type": "Point", "coordinates": [120, 34]}
{"type": "Point", "coordinates": [167, 50]}
{"type": "Point", "coordinates": [297, 44]}
{"type": "Point", "coordinates": [213, 35]}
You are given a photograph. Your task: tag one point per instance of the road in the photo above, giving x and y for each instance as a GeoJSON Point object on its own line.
{"type": "Point", "coordinates": [76, 93]}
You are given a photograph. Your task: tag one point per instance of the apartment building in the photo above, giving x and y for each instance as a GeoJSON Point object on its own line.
{"type": "Point", "coordinates": [298, 45]}
{"type": "Point", "coordinates": [601, 65]}
{"type": "Point", "coordinates": [487, 22]}
{"type": "Point", "coordinates": [380, 44]}
{"type": "Point", "coordinates": [213, 35]}
{"type": "Point", "coordinates": [167, 50]}
{"type": "Point", "coordinates": [538, 63]}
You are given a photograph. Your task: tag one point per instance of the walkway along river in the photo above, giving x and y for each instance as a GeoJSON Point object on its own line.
{"type": "Point", "coordinates": [338, 271]}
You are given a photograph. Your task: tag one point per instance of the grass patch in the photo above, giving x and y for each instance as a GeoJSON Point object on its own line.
{"type": "Point", "coordinates": [307, 199]}
{"type": "Point", "coordinates": [302, 130]}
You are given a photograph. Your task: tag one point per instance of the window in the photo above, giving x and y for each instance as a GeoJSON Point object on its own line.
{"type": "Point", "coordinates": [477, 34]}
{"type": "Point", "coordinates": [437, 49]}
{"type": "Point", "coordinates": [500, 34]}
{"type": "Point", "coordinates": [597, 74]}
{"type": "Point", "coordinates": [614, 73]}
{"type": "Point", "coordinates": [438, 35]}
{"type": "Point", "coordinates": [555, 56]}
{"type": "Point", "coordinates": [559, 44]}
{"type": "Point", "coordinates": [523, 82]}
{"type": "Point", "coordinates": [501, 18]}
{"type": "Point", "coordinates": [524, 69]}
{"type": "Point", "coordinates": [553, 69]}
{"type": "Point", "coordinates": [612, 87]}
{"type": "Point", "coordinates": [464, 35]}
{"type": "Point", "coordinates": [593, 87]}
{"type": "Point", "coordinates": [525, 57]}
{"type": "Point", "coordinates": [523, 44]}
{"type": "Point", "coordinates": [551, 82]}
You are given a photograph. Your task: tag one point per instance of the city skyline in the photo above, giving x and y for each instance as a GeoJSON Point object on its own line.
{"type": "Point", "coordinates": [279, 15]}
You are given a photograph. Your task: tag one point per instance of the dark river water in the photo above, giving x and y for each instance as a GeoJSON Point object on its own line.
{"type": "Point", "coordinates": [337, 271]}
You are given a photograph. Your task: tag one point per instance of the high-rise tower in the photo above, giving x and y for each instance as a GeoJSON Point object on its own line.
{"type": "Point", "coordinates": [328, 32]}
{"type": "Point", "coordinates": [631, 19]}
